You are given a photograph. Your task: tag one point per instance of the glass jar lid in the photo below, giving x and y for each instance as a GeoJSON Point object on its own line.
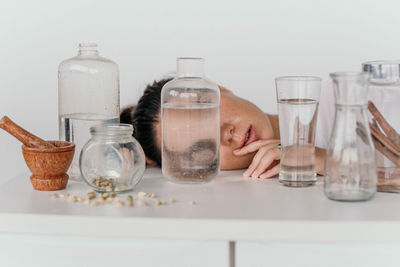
{"type": "Point", "coordinates": [114, 129]}
{"type": "Point", "coordinates": [384, 72]}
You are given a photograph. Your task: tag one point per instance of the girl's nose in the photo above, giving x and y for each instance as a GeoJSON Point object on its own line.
{"type": "Point", "coordinates": [227, 131]}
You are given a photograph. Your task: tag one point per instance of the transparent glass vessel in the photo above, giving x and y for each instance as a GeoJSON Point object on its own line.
{"type": "Point", "coordinates": [88, 95]}
{"type": "Point", "coordinates": [112, 160]}
{"type": "Point", "coordinates": [350, 173]}
{"type": "Point", "coordinates": [190, 124]}
{"type": "Point", "coordinates": [298, 100]}
{"type": "Point", "coordinates": [384, 92]}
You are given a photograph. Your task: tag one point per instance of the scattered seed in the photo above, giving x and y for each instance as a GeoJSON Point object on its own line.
{"type": "Point", "coordinates": [94, 204]}
{"type": "Point", "coordinates": [73, 198]}
{"type": "Point", "coordinates": [120, 203]}
{"type": "Point", "coordinates": [111, 197]}
{"type": "Point", "coordinates": [91, 195]}
{"type": "Point", "coordinates": [142, 203]}
{"type": "Point", "coordinates": [129, 200]}
{"type": "Point", "coordinates": [160, 202]}
{"type": "Point", "coordinates": [147, 195]}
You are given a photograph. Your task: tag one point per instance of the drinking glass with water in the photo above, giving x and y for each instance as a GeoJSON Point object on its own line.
{"type": "Point", "coordinates": [298, 99]}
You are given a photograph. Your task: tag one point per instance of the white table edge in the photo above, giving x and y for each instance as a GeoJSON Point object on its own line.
{"type": "Point", "coordinates": [201, 229]}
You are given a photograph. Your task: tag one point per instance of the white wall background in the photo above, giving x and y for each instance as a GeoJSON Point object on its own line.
{"type": "Point", "coordinates": [246, 44]}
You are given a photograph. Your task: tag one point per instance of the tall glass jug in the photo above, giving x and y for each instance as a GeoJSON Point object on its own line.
{"type": "Point", "coordinates": [190, 124]}
{"type": "Point", "coordinates": [88, 95]}
{"type": "Point", "coordinates": [350, 173]}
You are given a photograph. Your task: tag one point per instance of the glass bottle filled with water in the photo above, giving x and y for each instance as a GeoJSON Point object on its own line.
{"type": "Point", "coordinates": [350, 166]}
{"type": "Point", "coordinates": [88, 95]}
{"type": "Point", "coordinates": [190, 125]}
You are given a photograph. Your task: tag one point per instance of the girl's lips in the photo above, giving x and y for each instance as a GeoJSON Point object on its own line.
{"type": "Point", "coordinates": [249, 137]}
{"type": "Point", "coordinates": [252, 136]}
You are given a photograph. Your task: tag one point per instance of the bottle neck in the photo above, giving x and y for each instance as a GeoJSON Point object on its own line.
{"type": "Point", "coordinates": [88, 49]}
{"type": "Point", "coordinates": [350, 88]}
{"type": "Point", "coordinates": [190, 68]}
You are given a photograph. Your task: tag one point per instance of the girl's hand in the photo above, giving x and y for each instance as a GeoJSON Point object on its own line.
{"type": "Point", "coordinates": [265, 163]}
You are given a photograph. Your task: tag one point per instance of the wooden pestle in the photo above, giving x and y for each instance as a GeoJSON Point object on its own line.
{"type": "Point", "coordinates": [22, 135]}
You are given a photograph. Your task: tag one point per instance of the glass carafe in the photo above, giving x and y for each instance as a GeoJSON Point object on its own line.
{"type": "Point", "coordinates": [350, 173]}
{"type": "Point", "coordinates": [190, 124]}
{"type": "Point", "coordinates": [88, 95]}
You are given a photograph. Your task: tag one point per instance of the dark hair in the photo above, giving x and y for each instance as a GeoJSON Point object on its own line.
{"type": "Point", "coordinates": [143, 117]}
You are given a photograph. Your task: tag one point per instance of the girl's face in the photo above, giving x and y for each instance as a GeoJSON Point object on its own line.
{"type": "Point", "coordinates": [241, 123]}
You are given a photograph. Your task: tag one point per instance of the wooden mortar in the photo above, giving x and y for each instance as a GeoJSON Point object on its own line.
{"type": "Point", "coordinates": [47, 160]}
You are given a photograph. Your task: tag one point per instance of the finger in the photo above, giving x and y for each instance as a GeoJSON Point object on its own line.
{"type": "Point", "coordinates": [252, 147]}
{"type": "Point", "coordinates": [266, 161]}
{"type": "Point", "coordinates": [260, 155]}
{"type": "Point", "coordinates": [256, 160]}
{"type": "Point", "coordinates": [271, 172]}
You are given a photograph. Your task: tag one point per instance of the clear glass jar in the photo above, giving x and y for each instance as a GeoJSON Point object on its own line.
{"type": "Point", "coordinates": [350, 173]}
{"type": "Point", "coordinates": [88, 95]}
{"type": "Point", "coordinates": [384, 93]}
{"type": "Point", "coordinates": [112, 160]}
{"type": "Point", "coordinates": [190, 119]}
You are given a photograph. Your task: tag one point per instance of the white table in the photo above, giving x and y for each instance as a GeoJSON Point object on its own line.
{"type": "Point", "coordinates": [236, 221]}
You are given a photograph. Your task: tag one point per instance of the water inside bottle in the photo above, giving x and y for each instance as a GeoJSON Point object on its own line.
{"type": "Point", "coordinates": [190, 150]}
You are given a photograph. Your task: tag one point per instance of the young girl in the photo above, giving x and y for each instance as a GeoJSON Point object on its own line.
{"type": "Point", "coordinates": [249, 137]}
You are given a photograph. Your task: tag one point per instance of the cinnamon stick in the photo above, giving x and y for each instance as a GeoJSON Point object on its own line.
{"type": "Point", "coordinates": [388, 172]}
{"type": "Point", "coordinates": [378, 144]}
{"type": "Point", "coordinates": [384, 140]}
{"type": "Point", "coordinates": [375, 123]}
{"type": "Point", "coordinates": [388, 154]}
{"type": "Point", "coordinates": [391, 133]}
